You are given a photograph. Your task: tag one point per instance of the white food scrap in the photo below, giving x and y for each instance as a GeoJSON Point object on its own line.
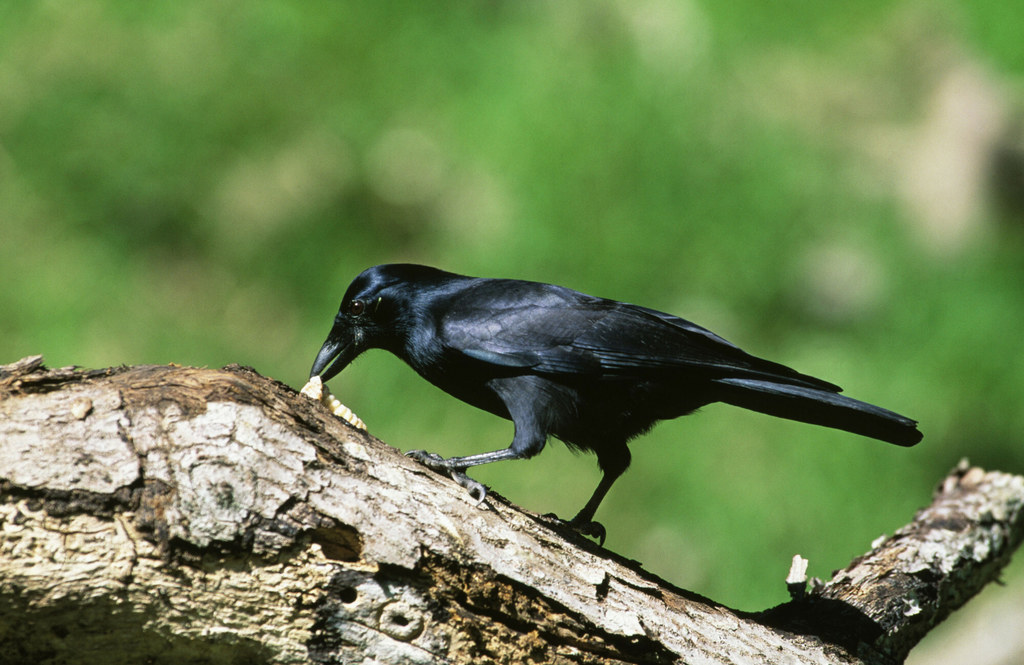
{"type": "Point", "coordinates": [314, 389]}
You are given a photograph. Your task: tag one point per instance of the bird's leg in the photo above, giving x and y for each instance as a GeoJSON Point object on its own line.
{"type": "Point", "coordinates": [518, 395]}
{"type": "Point", "coordinates": [584, 520]}
{"type": "Point", "coordinates": [455, 467]}
{"type": "Point", "coordinates": [613, 467]}
{"type": "Point", "coordinates": [528, 441]}
{"type": "Point", "coordinates": [588, 511]}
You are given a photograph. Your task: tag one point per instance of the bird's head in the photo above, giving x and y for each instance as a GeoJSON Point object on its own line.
{"type": "Point", "coordinates": [375, 313]}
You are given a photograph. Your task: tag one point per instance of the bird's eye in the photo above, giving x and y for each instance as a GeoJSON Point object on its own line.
{"type": "Point", "coordinates": [356, 307]}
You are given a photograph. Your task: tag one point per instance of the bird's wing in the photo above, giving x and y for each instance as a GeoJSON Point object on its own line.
{"type": "Point", "coordinates": [554, 330]}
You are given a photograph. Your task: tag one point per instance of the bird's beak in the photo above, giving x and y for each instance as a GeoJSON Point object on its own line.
{"type": "Point", "coordinates": [334, 347]}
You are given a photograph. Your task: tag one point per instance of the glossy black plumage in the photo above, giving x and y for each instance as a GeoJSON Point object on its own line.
{"type": "Point", "coordinates": [592, 372]}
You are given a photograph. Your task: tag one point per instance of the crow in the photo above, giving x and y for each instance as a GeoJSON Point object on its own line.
{"type": "Point", "coordinates": [592, 372]}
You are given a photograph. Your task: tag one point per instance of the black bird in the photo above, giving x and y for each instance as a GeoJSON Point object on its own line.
{"type": "Point", "coordinates": [592, 372]}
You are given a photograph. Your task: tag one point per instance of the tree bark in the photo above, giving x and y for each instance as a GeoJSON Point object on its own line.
{"type": "Point", "coordinates": [169, 514]}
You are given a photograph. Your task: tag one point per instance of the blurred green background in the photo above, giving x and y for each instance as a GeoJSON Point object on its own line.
{"type": "Point", "coordinates": [835, 186]}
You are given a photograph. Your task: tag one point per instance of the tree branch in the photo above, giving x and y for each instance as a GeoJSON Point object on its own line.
{"type": "Point", "coordinates": [170, 514]}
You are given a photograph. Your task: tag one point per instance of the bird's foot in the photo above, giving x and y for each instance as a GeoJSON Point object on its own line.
{"type": "Point", "coordinates": [433, 460]}
{"type": "Point", "coordinates": [476, 489]}
{"type": "Point", "coordinates": [588, 528]}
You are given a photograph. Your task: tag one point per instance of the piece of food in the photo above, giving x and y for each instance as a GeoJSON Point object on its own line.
{"type": "Point", "coordinates": [314, 389]}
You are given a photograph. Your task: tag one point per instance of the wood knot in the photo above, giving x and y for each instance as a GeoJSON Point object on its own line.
{"type": "Point", "coordinates": [401, 621]}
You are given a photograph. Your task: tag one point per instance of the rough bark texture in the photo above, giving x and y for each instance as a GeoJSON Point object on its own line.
{"type": "Point", "coordinates": [171, 515]}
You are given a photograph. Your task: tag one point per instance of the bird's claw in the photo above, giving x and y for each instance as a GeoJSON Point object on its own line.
{"type": "Point", "coordinates": [476, 489]}
{"type": "Point", "coordinates": [433, 460]}
{"type": "Point", "coordinates": [589, 528]}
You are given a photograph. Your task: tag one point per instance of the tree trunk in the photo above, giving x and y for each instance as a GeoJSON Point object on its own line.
{"type": "Point", "coordinates": [173, 515]}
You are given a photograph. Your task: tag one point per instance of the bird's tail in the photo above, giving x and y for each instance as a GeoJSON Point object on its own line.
{"type": "Point", "coordinates": [819, 407]}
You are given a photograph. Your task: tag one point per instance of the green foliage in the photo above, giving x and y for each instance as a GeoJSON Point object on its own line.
{"type": "Point", "coordinates": [198, 182]}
